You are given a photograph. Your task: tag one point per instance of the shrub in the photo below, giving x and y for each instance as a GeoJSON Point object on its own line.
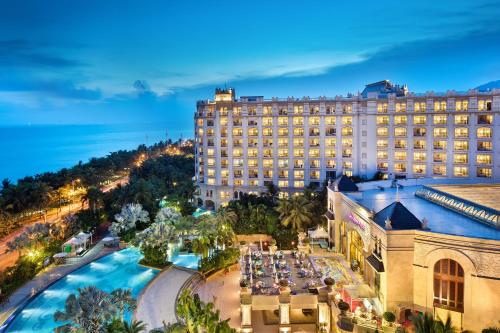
{"type": "Point", "coordinates": [273, 242]}
{"type": "Point", "coordinates": [154, 256]}
{"type": "Point", "coordinates": [284, 283]}
{"type": "Point", "coordinates": [343, 306]}
{"type": "Point", "coordinates": [329, 281]}
{"type": "Point", "coordinates": [219, 260]}
{"type": "Point", "coordinates": [389, 317]}
{"type": "Point", "coordinates": [491, 330]}
{"type": "Point", "coordinates": [243, 283]}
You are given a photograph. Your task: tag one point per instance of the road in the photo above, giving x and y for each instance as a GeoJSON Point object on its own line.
{"type": "Point", "coordinates": [8, 259]}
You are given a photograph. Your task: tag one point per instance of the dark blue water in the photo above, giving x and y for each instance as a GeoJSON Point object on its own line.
{"type": "Point", "coordinates": [28, 150]}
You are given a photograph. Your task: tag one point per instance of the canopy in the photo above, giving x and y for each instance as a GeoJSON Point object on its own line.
{"type": "Point", "coordinates": [108, 239]}
{"type": "Point", "coordinates": [74, 241]}
{"type": "Point", "coordinates": [60, 255]}
{"type": "Point", "coordinates": [304, 301]}
{"type": "Point", "coordinates": [318, 233]}
{"type": "Point", "coordinates": [83, 235]}
{"type": "Point", "coordinates": [359, 291]}
{"type": "Point", "coordinates": [264, 302]}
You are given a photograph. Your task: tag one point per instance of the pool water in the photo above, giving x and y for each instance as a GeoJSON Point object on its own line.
{"type": "Point", "coordinates": [188, 260]}
{"type": "Point", "coordinates": [117, 270]}
{"type": "Point", "coordinates": [201, 211]}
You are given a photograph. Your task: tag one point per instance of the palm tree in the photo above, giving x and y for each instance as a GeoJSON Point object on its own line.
{"type": "Point", "coordinates": [89, 312]}
{"type": "Point", "coordinates": [122, 299]}
{"type": "Point", "coordinates": [201, 246]}
{"type": "Point", "coordinates": [136, 326]}
{"type": "Point", "coordinates": [427, 324]}
{"type": "Point", "coordinates": [93, 197]}
{"type": "Point", "coordinates": [294, 212]}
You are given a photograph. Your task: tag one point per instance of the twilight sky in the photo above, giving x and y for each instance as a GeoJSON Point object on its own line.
{"type": "Point", "coordinates": [88, 62]}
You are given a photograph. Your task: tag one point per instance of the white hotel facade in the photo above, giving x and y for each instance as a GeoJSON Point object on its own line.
{"type": "Point", "coordinates": [244, 144]}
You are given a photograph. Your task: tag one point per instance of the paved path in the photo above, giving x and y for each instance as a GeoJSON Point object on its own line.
{"type": "Point", "coordinates": [157, 302]}
{"type": "Point", "coordinates": [223, 290]}
{"type": "Point", "coordinates": [44, 278]}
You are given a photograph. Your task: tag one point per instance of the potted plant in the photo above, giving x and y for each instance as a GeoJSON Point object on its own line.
{"type": "Point", "coordinates": [343, 307]}
{"type": "Point", "coordinates": [354, 265]}
{"type": "Point", "coordinates": [329, 282]}
{"type": "Point", "coordinates": [284, 286]}
{"type": "Point", "coordinates": [243, 285]}
{"type": "Point", "coordinates": [389, 318]}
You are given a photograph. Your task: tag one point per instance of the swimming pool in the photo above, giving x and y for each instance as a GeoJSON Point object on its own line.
{"type": "Point", "coordinates": [117, 270]}
{"type": "Point", "coordinates": [188, 260]}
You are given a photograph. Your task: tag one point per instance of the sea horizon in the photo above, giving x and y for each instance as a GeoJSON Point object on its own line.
{"type": "Point", "coordinates": [31, 149]}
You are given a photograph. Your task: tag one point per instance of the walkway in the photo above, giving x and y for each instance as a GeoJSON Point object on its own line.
{"type": "Point", "coordinates": [46, 277]}
{"type": "Point", "coordinates": [223, 290]}
{"type": "Point", "coordinates": [156, 304]}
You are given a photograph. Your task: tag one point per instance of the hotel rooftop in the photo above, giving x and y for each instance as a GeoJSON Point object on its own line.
{"type": "Point", "coordinates": [441, 218]}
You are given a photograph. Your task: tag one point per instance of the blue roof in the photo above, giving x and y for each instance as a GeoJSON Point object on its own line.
{"type": "Point", "coordinates": [440, 219]}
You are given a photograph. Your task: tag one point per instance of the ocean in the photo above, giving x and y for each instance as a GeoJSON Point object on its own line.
{"type": "Point", "coordinates": [28, 150]}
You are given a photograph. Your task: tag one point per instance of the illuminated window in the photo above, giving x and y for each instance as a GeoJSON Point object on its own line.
{"type": "Point", "coordinates": [210, 162]}
{"type": "Point", "coordinates": [484, 132]}
{"type": "Point", "coordinates": [484, 146]}
{"type": "Point", "coordinates": [298, 152]}
{"type": "Point", "coordinates": [347, 164]}
{"type": "Point", "coordinates": [485, 119]}
{"type": "Point", "coordinates": [330, 164]}
{"type": "Point", "coordinates": [330, 131]}
{"type": "Point", "coordinates": [382, 131]}
{"type": "Point", "coordinates": [400, 120]}
{"type": "Point", "coordinates": [382, 154]}
{"type": "Point", "coordinates": [224, 173]}
{"type": "Point", "coordinates": [330, 109]}
{"type": "Point", "coordinates": [252, 111]}
{"type": "Point", "coordinates": [252, 152]}
{"type": "Point", "coordinates": [462, 105]}
{"type": "Point", "coordinates": [484, 172]}
{"type": "Point", "coordinates": [298, 109]}
{"type": "Point", "coordinates": [346, 142]}
{"type": "Point", "coordinates": [461, 132]}
{"type": "Point", "coordinates": [252, 163]}
{"type": "Point", "coordinates": [298, 174]}
{"type": "Point", "coordinates": [283, 152]}
{"type": "Point", "coordinates": [267, 121]}
{"type": "Point", "coordinates": [439, 105]}
{"type": "Point", "coordinates": [460, 158]}
{"type": "Point", "coordinates": [282, 142]}
{"type": "Point", "coordinates": [330, 153]}
{"type": "Point", "coordinates": [210, 172]}
{"type": "Point", "coordinates": [331, 142]}
{"type": "Point", "coordinates": [400, 155]}
{"type": "Point", "coordinates": [347, 108]}
{"type": "Point", "coordinates": [314, 142]}
{"type": "Point", "coordinates": [440, 119]}
{"type": "Point", "coordinates": [439, 170]}
{"type": "Point", "coordinates": [314, 164]}
{"type": "Point", "coordinates": [283, 131]}
{"type": "Point", "coordinates": [382, 120]}
{"type": "Point", "coordinates": [460, 145]}
{"type": "Point", "coordinates": [461, 119]}
{"type": "Point", "coordinates": [299, 142]}
{"type": "Point", "coordinates": [483, 159]}
{"type": "Point", "coordinates": [449, 285]}
{"type": "Point", "coordinates": [400, 107]}
{"type": "Point", "coordinates": [298, 164]}
{"type": "Point", "coordinates": [439, 157]}
{"type": "Point", "coordinates": [346, 131]}
{"type": "Point", "coordinates": [298, 121]}
{"type": "Point", "coordinates": [298, 183]}
{"type": "Point", "coordinates": [298, 131]}
{"type": "Point", "coordinates": [460, 171]}
{"type": "Point", "coordinates": [223, 121]}
{"type": "Point", "coordinates": [267, 110]}
{"type": "Point", "coordinates": [419, 156]}
{"type": "Point", "coordinates": [282, 183]}
{"type": "Point", "coordinates": [382, 143]}
{"type": "Point", "coordinates": [267, 132]}
{"type": "Point", "coordinates": [268, 163]}
{"type": "Point", "coordinates": [382, 107]}
{"type": "Point", "coordinates": [314, 152]}
{"type": "Point", "coordinates": [419, 169]}
{"type": "Point", "coordinates": [330, 120]}
{"type": "Point", "coordinates": [384, 166]}
{"type": "Point", "coordinates": [400, 131]}
{"type": "Point", "coordinates": [314, 174]}
{"type": "Point", "coordinates": [314, 131]}
{"type": "Point", "coordinates": [282, 121]}
{"type": "Point", "coordinates": [400, 143]}
{"type": "Point", "coordinates": [237, 162]}
{"type": "Point", "coordinates": [314, 109]}
{"type": "Point", "coordinates": [283, 163]}
{"type": "Point", "coordinates": [400, 167]}
{"type": "Point", "coordinates": [419, 106]}
{"type": "Point", "coordinates": [419, 144]}
{"type": "Point", "coordinates": [484, 105]}
{"type": "Point", "coordinates": [346, 153]}
{"type": "Point", "coordinates": [237, 110]}
{"type": "Point", "coordinates": [419, 131]}
{"type": "Point", "coordinates": [211, 181]}
{"type": "Point", "coordinates": [210, 152]}
{"type": "Point", "coordinates": [440, 132]}
{"type": "Point", "coordinates": [237, 132]}
{"type": "Point", "coordinates": [314, 121]}
{"type": "Point", "coordinates": [346, 120]}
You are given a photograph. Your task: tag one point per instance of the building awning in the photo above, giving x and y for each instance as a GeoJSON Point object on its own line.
{"type": "Point", "coordinates": [264, 302]}
{"type": "Point", "coordinates": [319, 232]}
{"type": "Point", "coordinates": [376, 263]}
{"type": "Point", "coordinates": [329, 215]}
{"type": "Point", "coordinates": [304, 301]}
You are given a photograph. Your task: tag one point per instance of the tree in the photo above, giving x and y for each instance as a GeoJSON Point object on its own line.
{"type": "Point", "coordinates": [136, 326]}
{"type": "Point", "coordinates": [294, 212]}
{"type": "Point", "coordinates": [93, 197]}
{"type": "Point", "coordinates": [88, 312]}
{"type": "Point", "coordinates": [427, 324]}
{"type": "Point", "coordinates": [126, 220]}
{"type": "Point", "coordinates": [122, 299]}
{"type": "Point", "coordinates": [201, 246]}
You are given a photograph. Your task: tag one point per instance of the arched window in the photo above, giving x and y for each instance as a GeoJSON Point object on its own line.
{"type": "Point", "coordinates": [449, 285]}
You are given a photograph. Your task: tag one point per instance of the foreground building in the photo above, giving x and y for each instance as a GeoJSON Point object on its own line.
{"type": "Point", "coordinates": [423, 247]}
{"type": "Point", "coordinates": [244, 144]}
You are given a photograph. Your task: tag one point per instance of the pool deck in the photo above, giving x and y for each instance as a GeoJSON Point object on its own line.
{"type": "Point", "coordinates": [48, 276]}
{"type": "Point", "coordinates": [156, 303]}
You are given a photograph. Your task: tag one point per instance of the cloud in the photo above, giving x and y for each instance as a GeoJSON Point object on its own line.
{"type": "Point", "coordinates": [141, 86]}
{"type": "Point", "coordinates": [22, 53]}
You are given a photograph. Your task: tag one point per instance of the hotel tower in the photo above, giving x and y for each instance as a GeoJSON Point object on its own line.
{"type": "Point", "coordinates": [245, 144]}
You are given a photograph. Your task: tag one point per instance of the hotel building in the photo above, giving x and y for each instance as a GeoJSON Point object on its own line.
{"type": "Point", "coordinates": [244, 144]}
{"type": "Point", "coordinates": [423, 246]}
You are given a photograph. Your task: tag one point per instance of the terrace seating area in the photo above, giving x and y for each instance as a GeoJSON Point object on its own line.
{"type": "Point", "coordinates": [266, 273]}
